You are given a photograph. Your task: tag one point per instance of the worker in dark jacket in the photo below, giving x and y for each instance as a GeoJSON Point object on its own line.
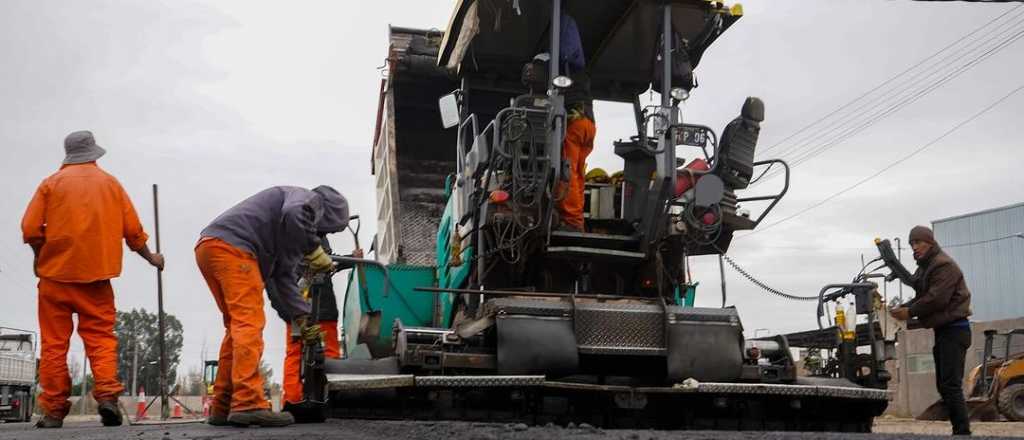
{"type": "Point", "coordinates": [258, 242]}
{"type": "Point", "coordinates": [942, 303]}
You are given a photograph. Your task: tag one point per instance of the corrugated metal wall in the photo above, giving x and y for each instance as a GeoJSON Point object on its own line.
{"type": "Point", "coordinates": [994, 269]}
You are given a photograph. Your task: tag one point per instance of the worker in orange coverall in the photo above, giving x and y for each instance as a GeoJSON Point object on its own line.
{"type": "Point", "coordinates": [328, 320]}
{"type": "Point", "coordinates": [578, 143]}
{"type": "Point", "coordinates": [580, 129]}
{"type": "Point", "coordinates": [260, 242]}
{"type": "Point", "coordinates": [74, 224]}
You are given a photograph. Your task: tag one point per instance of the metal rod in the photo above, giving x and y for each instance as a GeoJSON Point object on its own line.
{"type": "Point", "coordinates": [666, 55]}
{"type": "Point", "coordinates": [135, 368]}
{"type": "Point", "coordinates": [899, 257]}
{"type": "Point", "coordinates": [556, 42]}
{"type": "Point", "coordinates": [721, 274]}
{"type": "Point", "coordinates": [164, 409]}
{"type": "Point", "coordinates": [85, 383]}
{"type": "Point", "coordinates": [436, 290]}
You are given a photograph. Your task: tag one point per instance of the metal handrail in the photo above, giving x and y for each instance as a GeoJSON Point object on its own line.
{"type": "Point", "coordinates": [774, 198]}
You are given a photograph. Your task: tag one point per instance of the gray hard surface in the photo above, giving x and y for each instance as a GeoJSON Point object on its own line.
{"type": "Point", "coordinates": [365, 429]}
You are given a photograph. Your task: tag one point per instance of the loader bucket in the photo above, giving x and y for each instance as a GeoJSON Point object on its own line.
{"type": "Point", "coordinates": [978, 409]}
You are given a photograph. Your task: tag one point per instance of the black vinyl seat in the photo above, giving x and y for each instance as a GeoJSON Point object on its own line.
{"type": "Point", "coordinates": [735, 164]}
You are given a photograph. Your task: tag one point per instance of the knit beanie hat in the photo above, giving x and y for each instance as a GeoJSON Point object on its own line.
{"type": "Point", "coordinates": [923, 233]}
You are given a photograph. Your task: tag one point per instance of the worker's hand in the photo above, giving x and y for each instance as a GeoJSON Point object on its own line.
{"type": "Point", "coordinates": [157, 260]}
{"type": "Point", "coordinates": [319, 261]}
{"type": "Point", "coordinates": [311, 333]}
{"type": "Point", "coordinates": [298, 323]}
{"type": "Point", "coordinates": [358, 253]}
{"type": "Point", "coordinates": [900, 313]}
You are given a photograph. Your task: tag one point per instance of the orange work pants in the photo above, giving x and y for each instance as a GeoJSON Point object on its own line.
{"type": "Point", "coordinates": [237, 286]}
{"type": "Point", "coordinates": [579, 142]}
{"type": "Point", "coordinates": [94, 304]}
{"type": "Point", "coordinates": [293, 358]}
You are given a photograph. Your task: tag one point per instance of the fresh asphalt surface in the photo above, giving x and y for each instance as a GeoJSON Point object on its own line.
{"type": "Point", "coordinates": [362, 429]}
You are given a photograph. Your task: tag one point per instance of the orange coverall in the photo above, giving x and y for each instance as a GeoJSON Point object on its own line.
{"type": "Point", "coordinates": [77, 219]}
{"type": "Point", "coordinates": [233, 276]}
{"type": "Point", "coordinates": [293, 358]}
{"type": "Point", "coordinates": [579, 142]}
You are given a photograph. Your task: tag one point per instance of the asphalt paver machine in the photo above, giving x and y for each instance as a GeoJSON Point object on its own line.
{"type": "Point", "coordinates": [490, 311]}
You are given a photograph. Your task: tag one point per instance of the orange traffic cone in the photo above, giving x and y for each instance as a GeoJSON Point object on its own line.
{"type": "Point", "coordinates": [140, 408]}
{"type": "Point", "coordinates": [177, 410]}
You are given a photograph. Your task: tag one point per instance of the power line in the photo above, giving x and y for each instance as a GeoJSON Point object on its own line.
{"type": "Point", "coordinates": [889, 80]}
{"type": "Point", "coordinates": [893, 164]}
{"type": "Point", "coordinates": [806, 156]}
{"type": "Point", "coordinates": [902, 102]}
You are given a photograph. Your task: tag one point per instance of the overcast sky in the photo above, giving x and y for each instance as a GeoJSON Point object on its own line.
{"type": "Point", "coordinates": [217, 100]}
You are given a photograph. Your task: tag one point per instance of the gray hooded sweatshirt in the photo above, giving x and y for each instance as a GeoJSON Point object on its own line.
{"type": "Point", "coordinates": [279, 226]}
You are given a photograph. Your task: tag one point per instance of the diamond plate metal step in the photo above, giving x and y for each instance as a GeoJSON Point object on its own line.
{"type": "Point", "coordinates": [349, 382]}
{"type": "Point", "coordinates": [479, 381]}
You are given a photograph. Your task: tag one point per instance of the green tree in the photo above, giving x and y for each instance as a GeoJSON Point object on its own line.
{"type": "Point", "coordinates": [138, 335]}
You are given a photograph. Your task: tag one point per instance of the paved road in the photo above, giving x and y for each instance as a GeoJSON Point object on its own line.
{"type": "Point", "coordinates": [359, 429]}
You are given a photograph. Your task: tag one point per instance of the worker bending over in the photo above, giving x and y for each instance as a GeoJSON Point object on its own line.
{"type": "Point", "coordinates": [327, 318]}
{"type": "Point", "coordinates": [75, 224]}
{"type": "Point", "coordinates": [258, 242]}
{"type": "Point", "coordinates": [942, 302]}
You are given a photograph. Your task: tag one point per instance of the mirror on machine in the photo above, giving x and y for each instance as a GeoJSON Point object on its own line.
{"type": "Point", "coordinates": [449, 107]}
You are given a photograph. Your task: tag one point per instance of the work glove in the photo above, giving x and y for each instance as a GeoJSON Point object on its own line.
{"type": "Point", "coordinates": [318, 260]}
{"type": "Point", "coordinates": [308, 330]}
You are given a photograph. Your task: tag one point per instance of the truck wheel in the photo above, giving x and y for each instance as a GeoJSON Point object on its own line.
{"type": "Point", "coordinates": [1011, 402]}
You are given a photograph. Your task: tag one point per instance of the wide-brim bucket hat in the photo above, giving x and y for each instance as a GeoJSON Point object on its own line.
{"type": "Point", "coordinates": [80, 147]}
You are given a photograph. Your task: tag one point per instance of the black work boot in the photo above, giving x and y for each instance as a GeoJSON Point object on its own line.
{"type": "Point", "coordinates": [260, 417]}
{"type": "Point", "coordinates": [110, 414]}
{"type": "Point", "coordinates": [216, 419]}
{"type": "Point", "coordinates": [50, 422]}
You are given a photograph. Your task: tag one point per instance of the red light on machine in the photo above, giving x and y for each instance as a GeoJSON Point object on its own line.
{"type": "Point", "coordinates": [709, 218]}
{"type": "Point", "coordinates": [647, 284]}
{"type": "Point", "coordinates": [499, 196]}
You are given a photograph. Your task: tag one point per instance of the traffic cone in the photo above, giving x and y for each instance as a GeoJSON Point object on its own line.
{"type": "Point", "coordinates": [177, 410]}
{"type": "Point", "coordinates": [140, 408]}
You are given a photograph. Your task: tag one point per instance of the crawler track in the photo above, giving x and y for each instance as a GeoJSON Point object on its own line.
{"type": "Point", "coordinates": [533, 401]}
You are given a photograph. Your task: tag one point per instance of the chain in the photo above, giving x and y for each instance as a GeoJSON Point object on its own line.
{"type": "Point", "coordinates": [764, 286]}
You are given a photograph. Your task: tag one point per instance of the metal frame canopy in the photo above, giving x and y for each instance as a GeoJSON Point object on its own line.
{"type": "Point", "coordinates": [492, 39]}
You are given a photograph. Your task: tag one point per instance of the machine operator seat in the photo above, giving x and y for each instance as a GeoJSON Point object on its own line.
{"type": "Point", "coordinates": [735, 164]}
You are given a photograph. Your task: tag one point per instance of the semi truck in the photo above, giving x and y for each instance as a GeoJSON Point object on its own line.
{"type": "Point", "coordinates": [17, 375]}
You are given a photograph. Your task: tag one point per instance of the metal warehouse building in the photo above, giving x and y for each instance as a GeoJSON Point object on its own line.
{"type": "Point", "coordinates": [990, 250]}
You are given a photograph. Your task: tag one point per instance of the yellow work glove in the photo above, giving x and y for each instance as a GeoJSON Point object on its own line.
{"type": "Point", "coordinates": [319, 261]}
{"type": "Point", "coordinates": [309, 331]}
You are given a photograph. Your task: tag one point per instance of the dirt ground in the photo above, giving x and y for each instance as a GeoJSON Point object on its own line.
{"type": "Point", "coordinates": [910, 426]}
